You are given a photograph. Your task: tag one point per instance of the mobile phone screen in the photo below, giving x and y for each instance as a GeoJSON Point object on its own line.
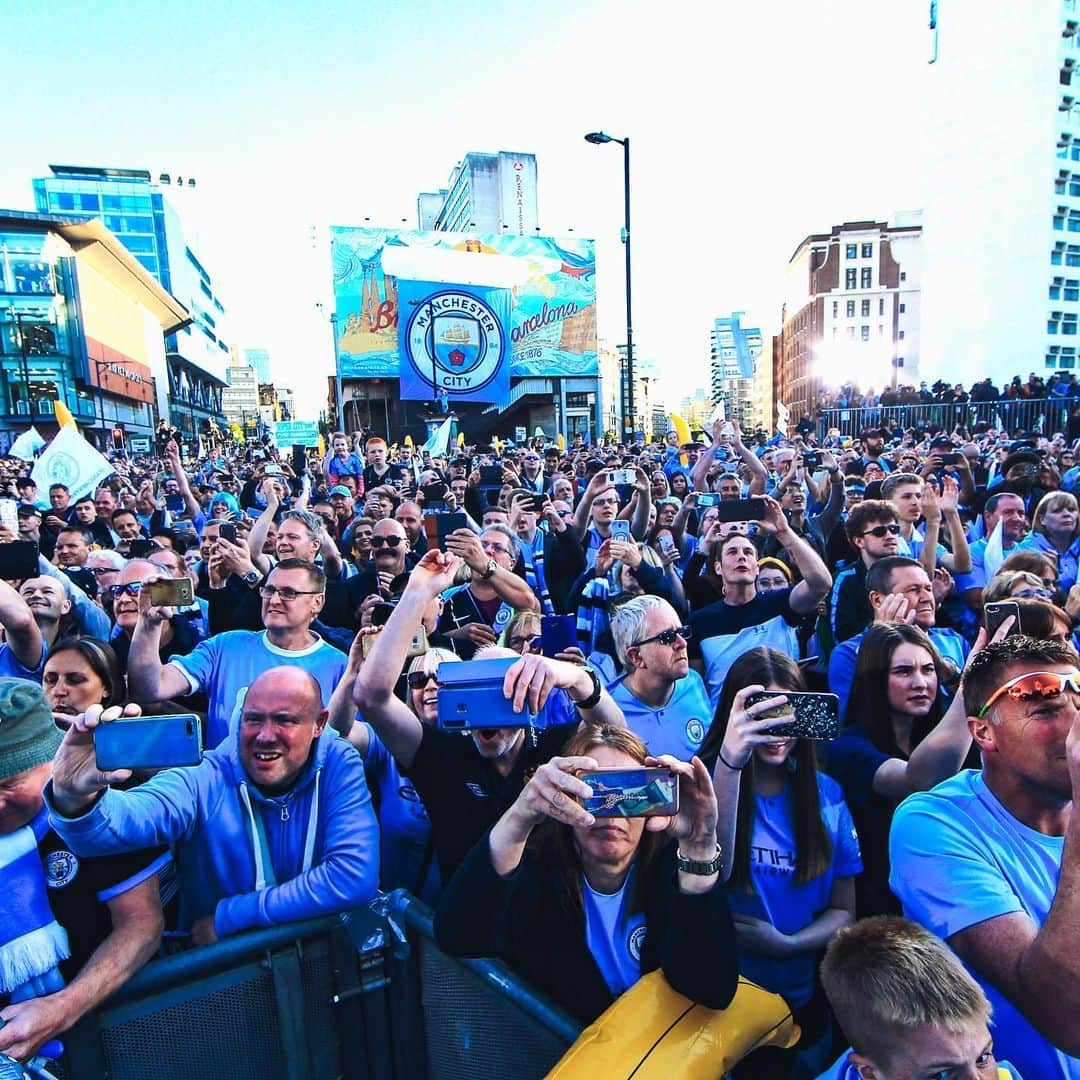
{"type": "Point", "coordinates": [805, 716]}
{"type": "Point", "coordinates": [728, 510]}
{"type": "Point", "coordinates": [997, 613]}
{"type": "Point", "coordinates": [644, 792]}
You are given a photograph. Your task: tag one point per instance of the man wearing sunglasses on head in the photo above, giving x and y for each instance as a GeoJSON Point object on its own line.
{"type": "Point", "coordinates": [225, 665]}
{"type": "Point", "coordinates": [665, 703]}
{"type": "Point", "coordinates": [990, 860]}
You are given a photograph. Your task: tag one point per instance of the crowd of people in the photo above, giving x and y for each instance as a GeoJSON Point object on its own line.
{"type": "Point", "coordinates": [1035, 388]}
{"type": "Point", "coordinates": [909, 885]}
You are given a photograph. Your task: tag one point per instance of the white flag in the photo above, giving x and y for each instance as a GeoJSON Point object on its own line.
{"type": "Point", "coordinates": [26, 446]}
{"type": "Point", "coordinates": [70, 460]}
{"type": "Point", "coordinates": [994, 555]}
{"type": "Point", "coordinates": [437, 444]}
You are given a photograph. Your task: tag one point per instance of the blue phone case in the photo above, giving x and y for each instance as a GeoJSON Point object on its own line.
{"type": "Point", "coordinates": [148, 742]}
{"type": "Point", "coordinates": [620, 530]}
{"type": "Point", "coordinates": [557, 633]}
{"type": "Point", "coordinates": [471, 696]}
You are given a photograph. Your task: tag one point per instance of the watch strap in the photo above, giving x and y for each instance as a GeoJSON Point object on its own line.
{"type": "Point", "coordinates": [492, 566]}
{"type": "Point", "coordinates": [597, 689]}
{"type": "Point", "coordinates": [701, 869]}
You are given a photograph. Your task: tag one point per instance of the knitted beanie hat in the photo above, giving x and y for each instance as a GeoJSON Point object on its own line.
{"type": "Point", "coordinates": [28, 735]}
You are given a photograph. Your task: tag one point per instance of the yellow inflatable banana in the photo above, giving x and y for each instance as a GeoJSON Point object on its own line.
{"type": "Point", "coordinates": [653, 1033]}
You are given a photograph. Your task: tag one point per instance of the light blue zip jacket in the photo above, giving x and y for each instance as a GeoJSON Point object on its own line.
{"type": "Point", "coordinates": [322, 836]}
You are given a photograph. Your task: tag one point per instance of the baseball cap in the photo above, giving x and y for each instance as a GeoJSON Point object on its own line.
{"type": "Point", "coordinates": [340, 489]}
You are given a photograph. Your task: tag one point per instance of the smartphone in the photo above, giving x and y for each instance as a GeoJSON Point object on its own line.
{"type": "Point", "coordinates": [299, 459]}
{"type": "Point", "coordinates": [471, 696]}
{"type": "Point", "coordinates": [273, 470]}
{"type": "Point", "coordinates": [491, 476]}
{"type": "Point", "coordinates": [19, 560]}
{"type": "Point", "coordinates": [148, 742]}
{"type": "Point", "coordinates": [380, 613]}
{"type": "Point", "coordinates": [538, 503]}
{"type": "Point", "coordinates": [740, 510]}
{"type": "Point", "coordinates": [644, 792]}
{"type": "Point", "coordinates": [9, 515]}
{"type": "Point", "coordinates": [667, 545]}
{"type": "Point", "coordinates": [811, 461]}
{"type": "Point", "coordinates": [620, 530]}
{"type": "Point", "coordinates": [434, 494]}
{"type": "Point", "coordinates": [174, 592]}
{"type": "Point", "coordinates": [807, 716]}
{"type": "Point", "coordinates": [227, 531]}
{"type": "Point", "coordinates": [419, 644]}
{"type": "Point", "coordinates": [557, 633]}
{"type": "Point", "coordinates": [951, 459]}
{"type": "Point", "coordinates": [139, 549]}
{"type": "Point", "coordinates": [438, 526]}
{"type": "Point", "coordinates": [367, 642]}
{"type": "Point", "coordinates": [623, 477]}
{"type": "Point", "coordinates": [174, 504]}
{"type": "Point", "coordinates": [705, 499]}
{"type": "Point", "coordinates": [995, 614]}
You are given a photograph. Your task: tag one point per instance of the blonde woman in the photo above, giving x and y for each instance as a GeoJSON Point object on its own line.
{"type": "Point", "coordinates": [1055, 531]}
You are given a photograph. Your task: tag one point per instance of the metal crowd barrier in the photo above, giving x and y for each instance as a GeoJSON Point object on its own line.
{"type": "Point", "coordinates": [363, 996]}
{"type": "Point", "coordinates": [1044, 415]}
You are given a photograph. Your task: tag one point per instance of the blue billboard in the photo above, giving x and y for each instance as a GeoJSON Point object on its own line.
{"type": "Point", "coordinates": [549, 287]}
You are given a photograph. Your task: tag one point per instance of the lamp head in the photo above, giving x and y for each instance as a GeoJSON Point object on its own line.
{"type": "Point", "coordinates": [597, 137]}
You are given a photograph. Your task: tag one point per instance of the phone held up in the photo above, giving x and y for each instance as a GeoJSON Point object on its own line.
{"type": "Point", "coordinates": [641, 792]}
{"type": "Point", "coordinates": [148, 742]}
{"type": "Point", "coordinates": [805, 716]}
{"type": "Point", "coordinates": [997, 613]}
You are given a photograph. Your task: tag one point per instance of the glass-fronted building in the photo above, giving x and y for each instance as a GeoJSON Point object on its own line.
{"type": "Point", "coordinates": [139, 212]}
{"type": "Point", "coordinates": [82, 323]}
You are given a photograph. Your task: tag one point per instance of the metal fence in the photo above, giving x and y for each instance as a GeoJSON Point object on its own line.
{"type": "Point", "coordinates": [1043, 415]}
{"type": "Point", "coordinates": [366, 996]}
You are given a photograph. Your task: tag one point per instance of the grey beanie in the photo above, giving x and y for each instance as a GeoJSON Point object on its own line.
{"type": "Point", "coordinates": [28, 735]}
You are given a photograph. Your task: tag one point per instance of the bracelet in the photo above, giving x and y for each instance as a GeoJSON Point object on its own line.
{"type": "Point", "coordinates": [724, 761]}
{"type": "Point", "coordinates": [593, 699]}
{"type": "Point", "coordinates": [698, 867]}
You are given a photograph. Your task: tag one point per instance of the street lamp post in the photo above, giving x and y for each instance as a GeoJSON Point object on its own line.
{"type": "Point", "coordinates": [597, 138]}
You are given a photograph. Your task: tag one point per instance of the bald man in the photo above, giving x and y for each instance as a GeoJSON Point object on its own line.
{"type": "Point", "coordinates": [273, 826]}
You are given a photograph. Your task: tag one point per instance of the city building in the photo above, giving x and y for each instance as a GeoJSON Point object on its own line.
{"type": "Point", "coordinates": [762, 410]}
{"type": "Point", "coordinates": [82, 322]}
{"type": "Point", "coordinates": [143, 215]}
{"type": "Point", "coordinates": [1001, 278]}
{"type": "Point", "coordinates": [733, 350]}
{"type": "Point", "coordinates": [486, 193]}
{"type": "Point", "coordinates": [611, 364]}
{"type": "Point", "coordinates": [259, 359]}
{"type": "Point", "coordinates": [240, 397]}
{"type": "Point", "coordinates": [851, 312]}
{"type": "Point", "coordinates": [697, 409]}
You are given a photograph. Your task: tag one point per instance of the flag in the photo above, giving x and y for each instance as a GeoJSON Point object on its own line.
{"type": "Point", "coordinates": [408, 440]}
{"type": "Point", "coordinates": [454, 342]}
{"type": "Point", "coordinates": [63, 415]}
{"type": "Point", "coordinates": [26, 446]}
{"type": "Point", "coordinates": [70, 460]}
{"type": "Point", "coordinates": [436, 446]}
{"type": "Point", "coordinates": [561, 441]}
{"type": "Point", "coordinates": [461, 439]}
{"type": "Point", "coordinates": [994, 555]}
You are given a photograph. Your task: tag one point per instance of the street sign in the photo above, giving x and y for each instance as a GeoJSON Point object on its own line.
{"type": "Point", "coordinates": [140, 445]}
{"type": "Point", "coordinates": [295, 432]}
{"type": "Point", "coordinates": [520, 434]}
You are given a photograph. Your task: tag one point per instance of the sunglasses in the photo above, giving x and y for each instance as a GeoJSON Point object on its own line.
{"type": "Point", "coordinates": [388, 541]}
{"type": "Point", "coordinates": [1035, 685]}
{"type": "Point", "coordinates": [1031, 593]}
{"type": "Point", "coordinates": [882, 530]}
{"type": "Point", "coordinates": [417, 680]}
{"type": "Point", "coordinates": [667, 637]}
{"type": "Point", "coordinates": [131, 588]}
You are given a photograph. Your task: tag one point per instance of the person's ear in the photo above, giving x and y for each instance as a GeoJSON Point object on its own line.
{"type": "Point", "coordinates": [865, 1067]}
{"type": "Point", "coordinates": [876, 599]}
{"type": "Point", "coordinates": [65, 606]}
{"type": "Point", "coordinates": [983, 733]}
{"type": "Point", "coordinates": [320, 723]}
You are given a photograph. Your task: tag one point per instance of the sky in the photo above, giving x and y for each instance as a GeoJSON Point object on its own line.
{"type": "Point", "coordinates": [751, 126]}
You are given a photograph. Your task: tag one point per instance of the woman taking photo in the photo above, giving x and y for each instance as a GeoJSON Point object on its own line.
{"type": "Point", "coordinates": [595, 903]}
{"type": "Point", "coordinates": [895, 741]}
{"type": "Point", "coordinates": [789, 845]}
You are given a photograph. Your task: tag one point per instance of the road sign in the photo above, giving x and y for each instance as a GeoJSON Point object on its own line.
{"type": "Point", "coordinates": [295, 432]}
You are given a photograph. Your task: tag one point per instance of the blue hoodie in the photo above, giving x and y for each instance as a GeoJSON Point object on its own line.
{"type": "Point", "coordinates": [322, 836]}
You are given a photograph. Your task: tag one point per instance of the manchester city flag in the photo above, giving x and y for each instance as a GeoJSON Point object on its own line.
{"type": "Point", "coordinates": [454, 340]}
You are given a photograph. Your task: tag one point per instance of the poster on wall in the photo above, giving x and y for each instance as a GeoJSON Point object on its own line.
{"type": "Point", "coordinates": [550, 287]}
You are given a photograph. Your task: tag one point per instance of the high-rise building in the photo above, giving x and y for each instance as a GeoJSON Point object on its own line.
{"type": "Point", "coordinates": [851, 312]}
{"type": "Point", "coordinates": [1002, 215]}
{"type": "Point", "coordinates": [143, 215]}
{"type": "Point", "coordinates": [82, 323]}
{"type": "Point", "coordinates": [259, 359]}
{"type": "Point", "coordinates": [734, 348]}
{"type": "Point", "coordinates": [486, 193]}
{"type": "Point", "coordinates": [240, 398]}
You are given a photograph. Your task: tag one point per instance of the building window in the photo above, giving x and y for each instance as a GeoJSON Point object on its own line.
{"type": "Point", "coordinates": [864, 333]}
{"type": "Point", "coordinates": [1074, 185]}
{"type": "Point", "coordinates": [1059, 222]}
{"type": "Point", "coordinates": [851, 331]}
{"type": "Point", "coordinates": [1057, 256]}
{"type": "Point", "coordinates": [1068, 325]}
{"type": "Point", "coordinates": [865, 309]}
{"type": "Point", "coordinates": [849, 279]}
{"type": "Point", "coordinates": [835, 308]}
{"type": "Point", "coordinates": [1073, 221]}
{"type": "Point", "coordinates": [1053, 322]}
{"type": "Point", "coordinates": [851, 251]}
{"type": "Point", "coordinates": [849, 308]}
{"type": "Point", "coordinates": [866, 276]}
{"type": "Point", "coordinates": [1055, 289]}
{"type": "Point", "coordinates": [1072, 255]}
{"type": "Point", "coordinates": [903, 275]}
{"type": "Point", "coordinates": [868, 251]}
{"type": "Point", "coordinates": [900, 335]}
{"type": "Point", "coordinates": [881, 306]}
{"type": "Point", "coordinates": [1072, 289]}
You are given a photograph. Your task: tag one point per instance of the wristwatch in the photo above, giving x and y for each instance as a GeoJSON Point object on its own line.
{"type": "Point", "coordinates": [251, 578]}
{"type": "Point", "coordinates": [597, 688]}
{"type": "Point", "coordinates": [492, 566]}
{"type": "Point", "coordinates": [701, 869]}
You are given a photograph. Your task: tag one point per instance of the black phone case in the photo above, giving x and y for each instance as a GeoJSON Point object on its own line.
{"type": "Point", "coordinates": [817, 716]}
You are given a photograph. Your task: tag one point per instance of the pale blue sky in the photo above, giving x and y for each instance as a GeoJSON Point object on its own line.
{"type": "Point", "coordinates": [752, 125]}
